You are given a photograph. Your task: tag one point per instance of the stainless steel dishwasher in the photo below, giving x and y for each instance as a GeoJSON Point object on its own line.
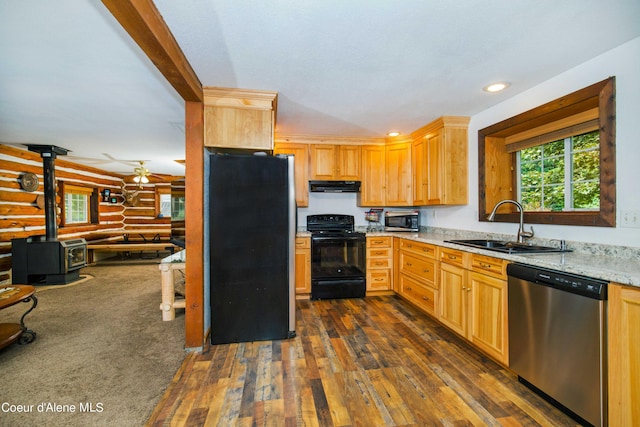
{"type": "Point", "coordinates": [557, 338]}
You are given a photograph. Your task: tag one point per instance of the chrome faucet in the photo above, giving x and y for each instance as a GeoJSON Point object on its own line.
{"type": "Point", "coordinates": [521, 233]}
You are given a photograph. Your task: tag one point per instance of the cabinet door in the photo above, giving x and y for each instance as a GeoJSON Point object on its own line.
{"type": "Point", "coordinates": [398, 174]}
{"type": "Point", "coordinates": [433, 151]}
{"type": "Point", "coordinates": [241, 119]}
{"type": "Point", "coordinates": [624, 355]}
{"type": "Point", "coordinates": [418, 159]}
{"type": "Point", "coordinates": [372, 191]}
{"type": "Point", "coordinates": [348, 162]}
{"type": "Point", "coordinates": [303, 266]}
{"type": "Point", "coordinates": [323, 162]}
{"type": "Point", "coordinates": [301, 156]}
{"type": "Point", "coordinates": [488, 315]}
{"type": "Point", "coordinates": [453, 298]}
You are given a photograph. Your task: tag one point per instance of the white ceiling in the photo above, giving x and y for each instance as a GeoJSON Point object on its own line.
{"type": "Point", "coordinates": [71, 76]}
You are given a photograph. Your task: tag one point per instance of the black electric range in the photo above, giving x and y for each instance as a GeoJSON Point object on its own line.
{"type": "Point", "coordinates": [338, 257]}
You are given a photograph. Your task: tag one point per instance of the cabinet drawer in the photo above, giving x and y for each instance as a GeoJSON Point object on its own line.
{"type": "Point", "coordinates": [379, 253]}
{"type": "Point", "coordinates": [422, 268]}
{"type": "Point", "coordinates": [488, 265]}
{"type": "Point", "coordinates": [379, 242]}
{"type": "Point", "coordinates": [424, 249]}
{"type": "Point", "coordinates": [423, 296]}
{"type": "Point", "coordinates": [303, 243]}
{"type": "Point", "coordinates": [378, 280]}
{"type": "Point", "coordinates": [377, 263]}
{"type": "Point", "coordinates": [454, 257]}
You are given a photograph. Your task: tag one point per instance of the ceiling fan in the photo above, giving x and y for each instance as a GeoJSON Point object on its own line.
{"type": "Point", "coordinates": [141, 174]}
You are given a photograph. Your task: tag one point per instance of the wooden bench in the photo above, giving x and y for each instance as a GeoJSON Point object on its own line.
{"type": "Point", "coordinates": [125, 248]}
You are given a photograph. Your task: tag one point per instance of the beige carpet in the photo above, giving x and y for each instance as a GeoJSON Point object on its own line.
{"type": "Point", "coordinates": [102, 356]}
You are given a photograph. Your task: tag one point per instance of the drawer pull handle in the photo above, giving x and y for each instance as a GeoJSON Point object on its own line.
{"type": "Point", "coordinates": [425, 271]}
{"type": "Point", "coordinates": [378, 242]}
{"type": "Point", "coordinates": [425, 298]}
{"type": "Point", "coordinates": [409, 264]}
{"type": "Point", "coordinates": [408, 288]}
{"type": "Point", "coordinates": [379, 280]}
{"type": "Point", "coordinates": [452, 257]}
{"type": "Point", "coordinates": [485, 265]}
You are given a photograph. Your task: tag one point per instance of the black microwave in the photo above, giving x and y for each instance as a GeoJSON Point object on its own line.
{"type": "Point", "coordinates": [402, 221]}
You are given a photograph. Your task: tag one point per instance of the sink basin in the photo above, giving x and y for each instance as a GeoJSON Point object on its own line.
{"type": "Point", "coordinates": [507, 247]}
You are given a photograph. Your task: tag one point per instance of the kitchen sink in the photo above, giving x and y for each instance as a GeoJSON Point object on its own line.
{"type": "Point", "coordinates": [507, 247]}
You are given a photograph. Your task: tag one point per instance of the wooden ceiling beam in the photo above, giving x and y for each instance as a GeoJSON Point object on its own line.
{"type": "Point", "coordinates": [142, 20]}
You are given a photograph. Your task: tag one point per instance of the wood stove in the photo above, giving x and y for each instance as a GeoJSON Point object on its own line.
{"type": "Point", "coordinates": [39, 261]}
{"type": "Point", "coordinates": [45, 259]}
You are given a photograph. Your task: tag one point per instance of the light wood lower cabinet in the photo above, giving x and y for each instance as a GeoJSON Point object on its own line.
{"type": "Point", "coordinates": [488, 322]}
{"type": "Point", "coordinates": [303, 266]}
{"type": "Point", "coordinates": [453, 298]}
{"type": "Point", "coordinates": [417, 274]}
{"type": "Point", "coordinates": [473, 300]}
{"type": "Point", "coordinates": [624, 355]}
{"type": "Point", "coordinates": [379, 264]}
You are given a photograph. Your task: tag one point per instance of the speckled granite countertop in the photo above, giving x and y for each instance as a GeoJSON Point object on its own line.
{"type": "Point", "coordinates": [611, 263]}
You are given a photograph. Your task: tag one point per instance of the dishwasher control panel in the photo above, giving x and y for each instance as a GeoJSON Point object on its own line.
{"type": "Point", "coordinates": [586, 286]}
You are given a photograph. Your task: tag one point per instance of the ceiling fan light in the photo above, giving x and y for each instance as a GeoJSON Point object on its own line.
{"type": "Point", "coordinates": [136, 179]}
{"type": "Point", "coordinates": [144, 179]}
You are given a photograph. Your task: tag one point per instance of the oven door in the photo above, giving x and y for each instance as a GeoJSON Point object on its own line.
{"type": "Point", "coordinates": [338, 266]}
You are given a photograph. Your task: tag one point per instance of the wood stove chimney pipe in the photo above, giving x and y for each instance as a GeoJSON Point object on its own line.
{"type": "Point", "coordinates": [49, 154]}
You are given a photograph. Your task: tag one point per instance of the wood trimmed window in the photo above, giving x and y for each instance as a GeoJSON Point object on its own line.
{"type": "Point", "coordinates": [588, 108]}
{"type": "Point", "coordinates": [163, 202]}
{"type": "Point", "coordinates": [80, 205]}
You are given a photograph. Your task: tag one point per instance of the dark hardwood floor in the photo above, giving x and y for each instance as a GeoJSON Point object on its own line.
{"type": "Point", "coordinates": [358, 362]}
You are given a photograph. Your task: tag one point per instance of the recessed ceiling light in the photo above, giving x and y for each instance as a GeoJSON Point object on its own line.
{"type": "Point", "coordinates": [393, 134]}
{"type": "Point", "coordinates": [496, 87]}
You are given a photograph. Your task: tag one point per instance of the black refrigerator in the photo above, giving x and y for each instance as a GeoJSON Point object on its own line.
{"type": "Point", "coordinates": [252, 229]}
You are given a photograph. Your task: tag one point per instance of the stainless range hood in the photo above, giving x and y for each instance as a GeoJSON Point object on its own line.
{"type": "Point", "coordinates": [334, 186]}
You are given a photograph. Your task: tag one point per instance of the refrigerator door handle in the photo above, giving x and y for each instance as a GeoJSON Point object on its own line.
{"type": "Point", "coordinates": [292, 246]}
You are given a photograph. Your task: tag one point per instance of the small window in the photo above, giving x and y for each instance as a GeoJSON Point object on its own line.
{"type": "Point", "coordinates": [178, 207]}
{"type": "Point", "coordinates": [562, 175]}
{"type": "Point", "coordinates": [163, 202]}
{"type": "Point", "coordinates": [77, 204]}
{"type": "Point", "coordinates": [165, 205]}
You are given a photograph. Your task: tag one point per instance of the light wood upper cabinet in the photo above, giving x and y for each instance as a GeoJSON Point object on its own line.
{"type": "Point", "coordinates": [335, 162]}
{"type": "Point", "coordinates": [441, 175]}
{"type": "Point", "coordinates": [301, 166]}
{"type": "Point", "coordinates": [237, 118]}
{"type": "Point", "coordinates": [624, 355]}
{"type": "Point", "coordinates": [372, 191]}
{"type": "Point", "coordinates": [419, 169]}
{"type": "Point", "coordinates": [398, 174]}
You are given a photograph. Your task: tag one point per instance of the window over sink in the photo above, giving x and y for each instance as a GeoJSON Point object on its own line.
{"type": "Point", "coordinates": [557, 160]}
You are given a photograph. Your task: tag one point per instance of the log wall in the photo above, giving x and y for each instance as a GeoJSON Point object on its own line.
{"type": "Point", "coordinates": [21, 216]}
